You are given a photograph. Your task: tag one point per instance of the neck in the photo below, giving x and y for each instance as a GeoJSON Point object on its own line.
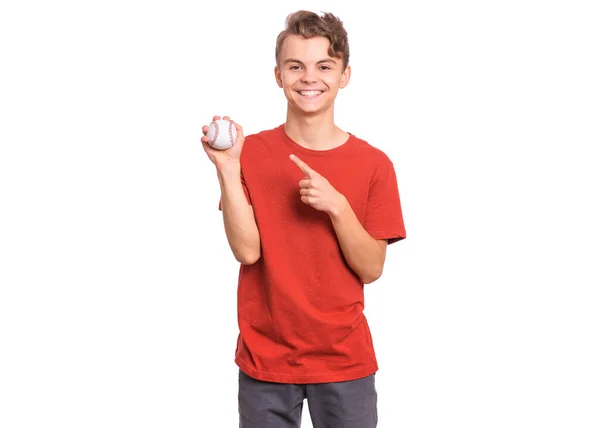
{"type": "Point", "coordinates": [317, 132]}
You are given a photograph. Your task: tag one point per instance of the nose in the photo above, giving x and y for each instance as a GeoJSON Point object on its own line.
{"type": "Point", "coordinates": [309, 76]}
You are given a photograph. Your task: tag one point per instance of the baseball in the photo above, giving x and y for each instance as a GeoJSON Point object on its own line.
{"type": "Point", "coordinates": [221, 134]}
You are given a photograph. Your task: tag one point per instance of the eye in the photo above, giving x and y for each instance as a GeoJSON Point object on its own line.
{"type": "Point", "coordinates": [294, 67]}
{"type": "Point", "coordinates": [325, 67]}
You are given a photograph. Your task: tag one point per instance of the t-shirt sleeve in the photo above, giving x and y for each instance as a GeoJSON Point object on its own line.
{"type": "Point", "coordinates": [384, 219]}
{"type": "Point", "coordinates": [245, 191]}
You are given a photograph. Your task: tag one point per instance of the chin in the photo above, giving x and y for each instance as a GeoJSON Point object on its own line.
{"type": "Point", "coordinates": [311, 108]}
{"type": "Point", "coordinates": [308, 110]}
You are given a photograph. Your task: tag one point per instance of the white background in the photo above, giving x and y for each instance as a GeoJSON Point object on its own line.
{"type": "Point", "coordinates": [117, 298]}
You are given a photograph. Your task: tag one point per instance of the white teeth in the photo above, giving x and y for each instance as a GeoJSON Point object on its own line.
{"type": "Point", "coordinates": [310, 93]}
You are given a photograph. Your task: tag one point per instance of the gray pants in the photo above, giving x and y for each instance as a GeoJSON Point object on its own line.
{"type": "Point", "coordinates": [351, 404]}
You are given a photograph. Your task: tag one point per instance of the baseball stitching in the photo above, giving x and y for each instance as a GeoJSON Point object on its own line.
{"type": "Point", "coordinates": [231, 133]}
{"type": "Point", "coordinates": [212, 142]}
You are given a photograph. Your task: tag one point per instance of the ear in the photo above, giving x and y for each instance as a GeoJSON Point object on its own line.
{"type": "Point", "coordinates": [278, 77]}
{"type": "Point", "coordinates": [345, 77]}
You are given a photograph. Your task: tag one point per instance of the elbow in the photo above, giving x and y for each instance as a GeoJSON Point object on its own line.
{"type": "Point", "coordinates": [372, 276]}
{"type": "Point", "coordinates": [248, 257]}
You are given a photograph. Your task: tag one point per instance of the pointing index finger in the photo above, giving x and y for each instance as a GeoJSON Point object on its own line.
{"type": "Point", "coordinates": [303, 166]}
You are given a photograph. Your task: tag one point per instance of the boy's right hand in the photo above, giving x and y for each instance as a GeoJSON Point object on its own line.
{"type": "Point", "coordinates": [224, 158]}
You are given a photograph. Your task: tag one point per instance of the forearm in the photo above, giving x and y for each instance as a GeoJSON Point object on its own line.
{"type": "Point", "coordinates": [238, 217]}
{"type": "Point", "coordinates": [363, 253]}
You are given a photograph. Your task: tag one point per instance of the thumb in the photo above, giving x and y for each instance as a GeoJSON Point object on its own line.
{"type": "Point", "coordinates": [239, 139]}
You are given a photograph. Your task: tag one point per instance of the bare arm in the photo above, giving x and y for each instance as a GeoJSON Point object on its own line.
{"type": "Point", "coordinates": [238, 216]}
{"type": "Point", "coordinates": [363, 253]}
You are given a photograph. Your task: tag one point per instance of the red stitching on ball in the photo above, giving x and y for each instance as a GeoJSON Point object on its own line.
{"type": "Point", "coordinates": [231, 139]}
{"type": "Point", "coordinates": [216, 126]}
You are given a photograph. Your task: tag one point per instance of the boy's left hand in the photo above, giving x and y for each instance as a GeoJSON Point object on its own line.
{"type": "Point", "coordinates": [317, 192]}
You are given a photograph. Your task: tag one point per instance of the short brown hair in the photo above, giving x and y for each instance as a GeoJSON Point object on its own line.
{"type": "Point", "coordinates": [308, 24]}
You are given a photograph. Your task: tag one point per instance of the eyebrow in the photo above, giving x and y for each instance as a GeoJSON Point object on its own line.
{"type": "Point", "coordinates": [326, 60]}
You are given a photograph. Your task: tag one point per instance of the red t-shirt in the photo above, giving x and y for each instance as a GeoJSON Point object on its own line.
{"type": "Point", "coordinates": [300, 306]}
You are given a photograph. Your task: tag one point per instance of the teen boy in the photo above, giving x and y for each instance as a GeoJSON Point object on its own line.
{"type": "Point", "coordinates": [309, 210]}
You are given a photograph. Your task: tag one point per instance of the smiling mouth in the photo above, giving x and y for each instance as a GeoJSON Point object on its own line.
{"type": "Point", "coordinates": [311, 93]}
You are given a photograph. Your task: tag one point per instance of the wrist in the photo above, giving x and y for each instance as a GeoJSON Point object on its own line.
{"type": "Point", "coordinates": [228, 169]}
{"type": "Point", "coordinates": [339, 207]}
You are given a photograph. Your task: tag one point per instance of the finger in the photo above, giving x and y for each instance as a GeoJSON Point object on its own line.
{"type": "Point", "coordinates": [216, 118]}
{"type": "Point", "coordinates": [226, 118]}
{"type": "Point", "coordinates": [207, 147]}
{"type": "Point", "coordinates": [306, 182]}
{"type": "Point", "coordinates": [306, 192]}
{"type": "Point", "coordinates": [310, 173]}
{"type": "Point", "coordinates": [305, 199]}
{"type": "Point", "coordinates": [205, 129]}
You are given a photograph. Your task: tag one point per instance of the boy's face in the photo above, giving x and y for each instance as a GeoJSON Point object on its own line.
{"type": "Point", "coordinates": [309, 77]}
